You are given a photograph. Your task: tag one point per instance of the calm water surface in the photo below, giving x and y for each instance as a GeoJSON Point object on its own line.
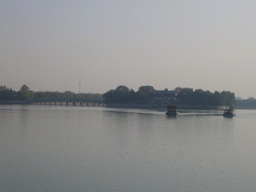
{"type": "Point", "coordinates": [51, 149]}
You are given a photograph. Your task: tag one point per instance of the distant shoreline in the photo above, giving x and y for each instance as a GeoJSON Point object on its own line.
{"type": "Point", "coordinates": [238, 105]}
{"type": "Point", "coordinates": [163, 107]}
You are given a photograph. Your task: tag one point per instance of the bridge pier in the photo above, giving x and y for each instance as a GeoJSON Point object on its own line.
{"type": "Point", "coordinates": [57, 103]}
{"type": "Point", "coordinates": [68, 103]}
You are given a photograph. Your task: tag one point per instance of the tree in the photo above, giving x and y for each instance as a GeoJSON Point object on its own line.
{"type": "Point", "coordinates": [216, 100]}
{"type": "Point", "coordinates": [24, 88]}
{"type": "Point", "coordinates": [198, 97]}
{"type": "Point", "coordinates": [228, 98]}
{"type": "Point", "coordinates": [120, 95]}
{"type": "Point", "coordinates": [145, 92]}
{"type": "Point", "coordinates": [122, 89]}
{"type": "Point", "coordinates": [185, 94]}
{"type": "Point", "coordinates": [109, 96]}
{"type": "Point", "coordinates": [7, 94]}
{"type": "Point", "coordinates": [3, 88]}
{"type": "Point", "coordinates": [25, 93]}
{"type": "Point", "coordinates": [69, 94]}
{"type": "Point", "coordinates": [146, 89]}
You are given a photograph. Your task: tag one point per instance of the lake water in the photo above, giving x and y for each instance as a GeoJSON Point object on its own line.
{"type": "Point", "coordinates": [49, 148]}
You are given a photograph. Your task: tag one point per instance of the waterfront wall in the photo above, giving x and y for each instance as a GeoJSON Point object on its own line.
{"type": "Point", "coordinates": [163, 106]}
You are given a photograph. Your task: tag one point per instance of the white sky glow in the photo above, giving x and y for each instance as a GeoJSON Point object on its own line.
{"type": "Point", "coordinates": [49, 45]}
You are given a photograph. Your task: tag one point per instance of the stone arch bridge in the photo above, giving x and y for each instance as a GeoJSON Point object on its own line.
{"type": "Point", "coordinates": [69, 102]}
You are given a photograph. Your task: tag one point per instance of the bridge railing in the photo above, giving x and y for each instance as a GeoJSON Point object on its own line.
{"type": "Point", "coordinates": [68, 102]}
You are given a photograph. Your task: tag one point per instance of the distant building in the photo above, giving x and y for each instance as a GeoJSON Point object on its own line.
{"type": "Point", "coordinates": [162, 97]}
{"type": "Point", "coordinates": [251, 98]}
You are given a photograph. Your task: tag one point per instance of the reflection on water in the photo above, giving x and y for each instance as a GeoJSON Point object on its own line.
{"type": "Point", "coordinates": [98, 149]}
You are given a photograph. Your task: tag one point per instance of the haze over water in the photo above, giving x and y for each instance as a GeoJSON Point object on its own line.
{"type": "Point", "coordinates": [52, 45]}
{"type": "Point", "coordinates": [53, 148]}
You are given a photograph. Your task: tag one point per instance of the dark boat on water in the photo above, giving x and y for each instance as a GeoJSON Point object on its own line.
{"type": "Point", "coordinates": [228, 113]}
{"type": "Point", "coordinates": [171, 110]}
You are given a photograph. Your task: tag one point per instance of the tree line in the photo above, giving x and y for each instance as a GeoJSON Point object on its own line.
{"type": "Point", "coordinates": [123, 94]}
{"type": "Point", "coordinates": [200, 97]}
{"type": "Point", "coordinates": [249, 103]}
{"type": "Point", "coordinates": [24, 94]}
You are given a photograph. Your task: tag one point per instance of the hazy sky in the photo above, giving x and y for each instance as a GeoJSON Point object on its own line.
{"type": "Point", "coordinates": [50, 44]}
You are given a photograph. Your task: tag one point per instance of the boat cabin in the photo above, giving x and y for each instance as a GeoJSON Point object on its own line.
{"type": "Point", "coordinates": [171, 110]}
{"type": "Point", "coordinates": [228, 113]}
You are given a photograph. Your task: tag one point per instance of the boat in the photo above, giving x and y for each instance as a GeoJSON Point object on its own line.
{"type": "Point", "coordinates": [171, 110]}
{"type": "Point", "coordinates": [228, 113]}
